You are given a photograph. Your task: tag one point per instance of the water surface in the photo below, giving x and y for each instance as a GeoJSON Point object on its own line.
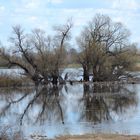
{"type": "Point", "coordinates": [71, 109]}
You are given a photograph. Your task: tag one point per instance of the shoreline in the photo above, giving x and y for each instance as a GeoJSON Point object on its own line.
{"type": "Point", "coordinates": [99, 137]}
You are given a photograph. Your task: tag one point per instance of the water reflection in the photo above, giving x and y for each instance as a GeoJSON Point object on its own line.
{"type": "Point", "coordinates": [45, 99]}
{"type": "Point", "coordinates": [101, 100]}
{"type": "Point", "coordinates": [50, 106]}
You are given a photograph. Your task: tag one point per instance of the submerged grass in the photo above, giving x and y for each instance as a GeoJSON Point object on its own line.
{"type": "Point", "coordinates": [15, 136]}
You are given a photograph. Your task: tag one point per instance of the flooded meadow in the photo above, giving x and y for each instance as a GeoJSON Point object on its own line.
{"type": "Point", "coordinates": [79, 108]}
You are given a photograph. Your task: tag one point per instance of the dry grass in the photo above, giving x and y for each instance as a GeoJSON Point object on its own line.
{"type": "Point", "coordinates": [10, 81]}
{"type": "Point", "coordinates": [19, 136]}
{"type": "Point", "coordinates": [99, 137]}
{"type": "Point", "coordinates": [135, 68]}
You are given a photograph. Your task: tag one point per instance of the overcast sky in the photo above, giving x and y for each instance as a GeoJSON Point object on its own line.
{"type": "Point", "coordinates": [46, 13]}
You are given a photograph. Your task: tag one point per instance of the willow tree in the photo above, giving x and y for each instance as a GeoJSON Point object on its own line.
{"type": "Point", "coordinates": [105, 49]}
{"type": "Point", "coordinates": [38, 55]}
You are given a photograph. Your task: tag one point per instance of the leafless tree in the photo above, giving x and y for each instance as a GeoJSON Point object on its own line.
{"type": "Point", "coordinates": [105, 48]}
{"type": "Point", "coordinates": [39, 55]}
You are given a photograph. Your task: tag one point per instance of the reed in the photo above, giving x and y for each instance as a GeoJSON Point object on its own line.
{"type": "Point", "coordinates": [12, 81]}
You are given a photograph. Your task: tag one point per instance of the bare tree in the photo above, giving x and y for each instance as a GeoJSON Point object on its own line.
{"type": "Point", "coordinates": [104, 49]}
{"type": "Point", "coordinates": [39, 55]}
{"type": "Point", "coordinates": [60, 43]}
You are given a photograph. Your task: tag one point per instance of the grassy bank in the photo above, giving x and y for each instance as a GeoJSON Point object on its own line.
{"type": "Point", "coordinates": [19, 136]}
{"type": "Point", "coordinates": [99, 137]}
{"type": "Point", "coordinates": [10, 81]}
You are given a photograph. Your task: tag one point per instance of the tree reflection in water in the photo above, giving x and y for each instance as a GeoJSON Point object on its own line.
{"type": "Point", "coordinates": [98, 103]}
{"type": "Point", "coordinates": [48, 100]}
{"type": "Point", "coordinates": [100, 100]}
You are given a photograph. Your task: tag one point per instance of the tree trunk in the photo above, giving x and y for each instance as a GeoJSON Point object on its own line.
{"type": "Point", "coordinates": [95, 75]}
{"type": "Point", "coordinates": [85, 73]}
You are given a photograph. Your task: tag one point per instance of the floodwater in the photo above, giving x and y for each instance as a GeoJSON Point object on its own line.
{"type": "Point", "coordinates": [71, 109]}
